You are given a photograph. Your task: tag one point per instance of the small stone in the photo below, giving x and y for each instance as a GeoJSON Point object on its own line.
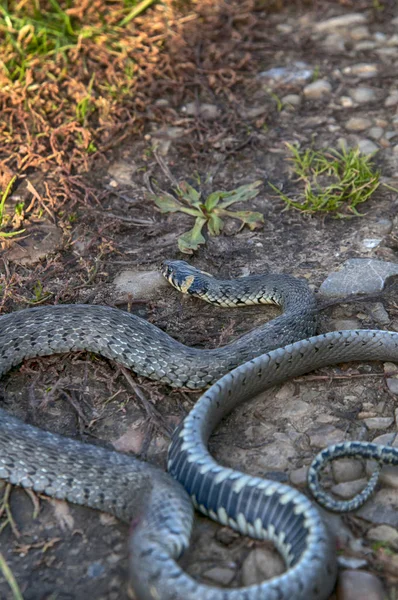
{"type": "Point", "coordinates": [390, 368]}
{"type": "Point", "coordinates": [349, 562]}
{"type": "Point", "coordinates": [344, 21]}
{"type": "Point", "coordinates": [298, 477]}
{"type": "Point", "coordinates": [378, 422]}
{"type": "Point", "coordinates": [362, 70]}
{"type": "Point", "coordinates": [380, 314]}
{"type": "Point", "coordinates": [347, 469]}
{"type": "Point", "coordinates": [335, 42]}
{"type": "Point", "coordinates": [358, 124]}
{"type": "Point", "coordinates": [359, 585]}
{"type": "Point", "coordinates": [367, 147]}
{"type": "Point", "coordinates": [284, 28]}
{"type": "Point", "coordinates": [325, 435]}
{"type": "Point", "coordinates": [380, 36]}
{"type": "Point", "coordinates": [370, 243]}
{"type": "Point", "coordinates": [392, 385]}
{"type": "Point", "coordinates": [220, 575]}
{"type": "Point", "coordinates": [293, 99]}
{"type": "Point", "coordinates": [260, 564]}
{"type": "Point", "coordinates": [298, 72]}
{"type": "Point", "coordinates": [365, 45]}
{"type": "Point", "coordinates": [362, 95]}
{"type": "Point", "coordinates": [359, 33]}
{"type": "Point", "coordinates": [358, 276]}
{"type": "Point", "coordinates": [349, 489]}
{"type": "Point", "coordinates": [346, 101]}
{"type": "Point", "coordinates": [206, 111]}
{"type": "Point", "coordinates": [317, 89]}
{"type": "Point", "coordinates": [375, 132]}
{"type": "Point", "coordinates": [342, 324]}
{"type": "Point", "coordinates": [139, 284]}
{"type": "Point", "coordinates": [383, 533]}
{"type": "Point", "coordinates": [122, 172]}
{"type": "Point", "coordinates": [392, 99]}
{"type": "Point", "coordinates": [40, 240]}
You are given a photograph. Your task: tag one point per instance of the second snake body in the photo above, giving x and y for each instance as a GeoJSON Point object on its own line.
{"type": "Point", "coordinates": [160, 508]}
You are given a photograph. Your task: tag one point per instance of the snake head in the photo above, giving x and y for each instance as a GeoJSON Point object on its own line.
{"type": "Point", "coordinates": [185, 278]}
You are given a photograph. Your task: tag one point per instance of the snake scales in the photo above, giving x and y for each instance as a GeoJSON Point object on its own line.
{"type": "Point", "coordinates": [160, 509]}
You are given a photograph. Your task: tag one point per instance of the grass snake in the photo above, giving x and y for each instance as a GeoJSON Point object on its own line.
{"type": "Point", "coordinates": [156, 504]}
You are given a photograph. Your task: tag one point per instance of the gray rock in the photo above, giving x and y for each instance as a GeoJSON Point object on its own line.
{"type": "Point", "coordinates": [349, 562]}
{"type": "Point", "coordinates": [293, 99]}
{"type": "Point", "coordinates": [139, 284]}
{"type": "Point", "coordinates": [365, 45]}
{"type": "Point", "coordinates": [392, 99]}
{"type": "Point", "coordinates": [260, 564]}
{"type": "Point", "coordinates": [347, 469]}
{"type": "Point", "coordinates": [392, 384]}
{"type": "Point", "coordinates": [358, 585]}
{"type": "Point", "coordinates": [344, 21]}
{"type": "Point", "coordinates": [335, 42]}
{"type": "Point", "coordinates": [359, 33]}
{"type": "Point", "coordinates": [358, 124]}
{"type": "Point", "coordinates": [376, 132]}
{"type": "Point", "coordinates": [381, 509]}
{"type": "Point", "coordinates": [220, 575]}
{"type": "Point", "coordinates": [297, 72]}
{"type": "Point", "coordinates": [367, 146]}
{"type": "Point", "coordinates": [362, 95]}
{"type": "Point", "coordinates": [378, 422]}
{"type": "Point", "coordinates": [298, 477]}
{"type": "Point", "coordinates": [317, 89]}
{"type": "Point", "coordinates": [380, 314]}
{"type": "Point", "coordinates": [362, 70]}
{"type": "Point", "coordinates": [383, 533]}
{"type": "Point", "coordinates": [349, 489]}
{"type": "Point", "coordinates": [206, 111]}
{"type": "Point", "coordinates": [358, 276]}
{"type": "Point", "coordinates": [122, 172]}
{"type": "Point", "coordinates": [325, 435]}
{"type": "Point", "coordinates": [341, 324]}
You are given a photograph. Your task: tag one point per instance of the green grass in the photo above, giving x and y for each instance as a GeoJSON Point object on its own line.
{"type": "Point", "coordinates": [335, 182]}
{"type": "Point", "coordinates": [208, 211]}
{"type": "Point", "coordinates": [4, 218]}
{"type": "Point", "coordinates": [38, 28]}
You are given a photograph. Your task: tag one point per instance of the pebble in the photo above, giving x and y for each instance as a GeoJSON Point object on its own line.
{"type": "Point", "coordinates": [293, 99]}
{"type": "Point", "coordinates": [379, 314]}
{"type": "Point", "coordinates": [379, 422]}
{"type": "Point", "coordinates": [358, 276]}
{"type": "Point", "coordinates": [342, 324]}
{"type": "Point", "coordinates": [344, 21]}
{"type": "Point", "coordinates": [349, 489]}
{"type": "Point", "coordinates": [350, 562]}
{"type": "Point", "coordinates": [317, 89]}
{"type": "Point", "coordinates": [392, 99]}
{"type": "Point", "coordinates": [206, 111]}
{"type": "Point", "coordinates": [298, 477]}
{"type": "Point", "coordinates": [347, 469]}
{"type": "Point", "coordinates": [122, 172]}
{"type": "Point", "coordinates": [392, 384]}
{"type": "Point", "coordinates": [362, 70]}
{"type": "Point", "coordinates": [367, 146]}
{"type": "Point", "coordinates": [260, 564]}
{"type": "Point", "coordinates": [359, 33]}
{"type": "Point", "coordinates": [297, 72]}
{"type": "Point", "coordinates": [358, 124]}
{"type": "Point", "coordinates": [383, 533]}
{"type": "Point", "coordinates": [44, 238]}
{"type": "Point", "coordinates": [220, 575]}
{"type": "Point", "coordinates": [376, 132]}
{"type": "Point", "coordinates": [362, 95]}
{"type": "Point", "coordinates": [359, 585]}
{"type": "Point", "coordinates": [325, 435]}
{"type": "Point", "coordinates": [139, 284]}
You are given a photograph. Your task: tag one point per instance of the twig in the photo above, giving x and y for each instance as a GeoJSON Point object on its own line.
{"type": "Point", "coordinates": [10, 579]}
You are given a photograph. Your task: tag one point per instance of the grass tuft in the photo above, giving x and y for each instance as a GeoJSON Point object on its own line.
{"type": "Point", "coordinates": [334, 181]}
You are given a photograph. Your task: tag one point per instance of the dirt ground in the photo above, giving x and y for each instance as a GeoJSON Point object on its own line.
{"type": "Point", "coordinates": [69, 552]}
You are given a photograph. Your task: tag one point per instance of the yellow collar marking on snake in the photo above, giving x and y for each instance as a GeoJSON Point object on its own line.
{"type": "Point", "coordinates": [187, 283]}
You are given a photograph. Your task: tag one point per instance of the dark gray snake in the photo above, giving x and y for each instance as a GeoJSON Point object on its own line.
{"type": "Point", "coordinates": [156, 504]}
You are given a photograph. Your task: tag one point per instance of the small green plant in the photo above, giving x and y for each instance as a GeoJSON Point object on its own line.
{"type": "Point", "coordinates": [39, 293]}
{"type": "Point", "coordinates": [208, 211]}
{"type": "Point", "coordinates": [3, 215]}
{"type": "Point", "coordinates": [334, 181]}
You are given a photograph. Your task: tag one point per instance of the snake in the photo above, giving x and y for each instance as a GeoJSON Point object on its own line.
{"type": "Point", "coordinates": [157, 504]}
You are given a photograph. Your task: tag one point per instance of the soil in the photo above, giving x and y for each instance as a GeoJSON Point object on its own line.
{"type": "Point", "coordinates": [68, 552]}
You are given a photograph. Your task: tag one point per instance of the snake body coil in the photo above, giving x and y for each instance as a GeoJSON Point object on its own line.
{"type": "Point", "coordinates": [130, 489]}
